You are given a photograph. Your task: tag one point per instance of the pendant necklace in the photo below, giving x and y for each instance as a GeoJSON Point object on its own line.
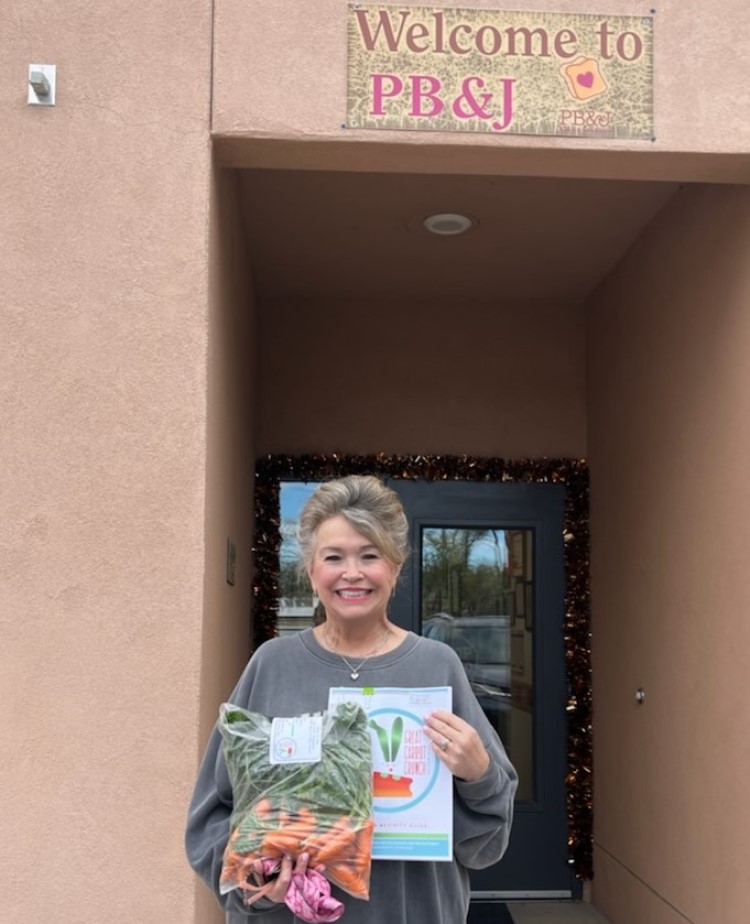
{"type": "Point", "coordinates": [354, 671]}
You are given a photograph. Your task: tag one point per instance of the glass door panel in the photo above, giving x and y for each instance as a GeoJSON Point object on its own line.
{"type": "Point", "coordinates": [297, 603]}
{"type": "Point", "coordinates": [477, 596]}
{"type": "Point", "coordinates": [488, 574]}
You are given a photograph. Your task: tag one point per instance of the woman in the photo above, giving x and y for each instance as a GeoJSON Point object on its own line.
{"type": "Point", "coordinates": [353, 537]}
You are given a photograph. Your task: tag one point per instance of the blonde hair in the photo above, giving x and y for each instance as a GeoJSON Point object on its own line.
{"type": "Point", "coordinates": [368, 505]}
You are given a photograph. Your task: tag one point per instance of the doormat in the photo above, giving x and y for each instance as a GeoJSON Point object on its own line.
{"type": "Point", "coordinates": [489, 913]}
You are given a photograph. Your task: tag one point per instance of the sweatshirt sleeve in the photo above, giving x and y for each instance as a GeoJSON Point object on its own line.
{"type": "Point", "coordinates": [207, 831]}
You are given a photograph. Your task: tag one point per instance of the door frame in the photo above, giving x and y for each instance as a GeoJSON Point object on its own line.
{"type": "Point", "coordinates": [573, 474]}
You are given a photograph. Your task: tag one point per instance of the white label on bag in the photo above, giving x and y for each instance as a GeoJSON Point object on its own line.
{"type": "Point", "coordinates": [297, 740]}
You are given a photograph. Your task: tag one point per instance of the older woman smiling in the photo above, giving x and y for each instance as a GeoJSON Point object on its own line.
{"type": "Point", "coordinates": [354, 540]}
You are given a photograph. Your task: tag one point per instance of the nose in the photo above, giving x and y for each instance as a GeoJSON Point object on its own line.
{"type": "Point", "coordinates": [352, 570]}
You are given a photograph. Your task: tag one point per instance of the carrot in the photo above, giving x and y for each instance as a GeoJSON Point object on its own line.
{"type": "Point", "coordinates": [351, 869]}
{"type": "Point", "coordinates": [276, 844]}
{"type": "Point", "coordinates": [348, 879]}
{"type": "Point", "coordinates": [363, 842]}
{"type": "Point", "coordinates": [236, 867]}
{"type": "Point", "coordinates": [263, 808]}
{"type": "Point", "coordinates": [322, 839]}
{"type": "Point", "coordinates": [291, 834]}
{"type": "Point", "coordinates": [302, 824]}
{"type": "Point", "coordinates": [338, 842]}
{"type": "Point", "coordinates": [306, 815]}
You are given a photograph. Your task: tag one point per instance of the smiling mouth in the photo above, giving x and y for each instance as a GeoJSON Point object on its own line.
{"type": "Point", "coordinates": [358, 594]}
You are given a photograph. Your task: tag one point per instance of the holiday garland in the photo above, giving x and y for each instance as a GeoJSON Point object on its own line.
{"type": "Point", "coordinates": [271, 470]}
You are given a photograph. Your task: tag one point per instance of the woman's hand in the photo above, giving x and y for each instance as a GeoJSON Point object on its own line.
{"type": "Point", "coordinates": [457, 744]}
{"type": "Point", "coordinates": [275, 889]}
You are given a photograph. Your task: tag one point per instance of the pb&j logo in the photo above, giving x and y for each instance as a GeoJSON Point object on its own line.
{"type": "Point", "coordinates": [584, 79]}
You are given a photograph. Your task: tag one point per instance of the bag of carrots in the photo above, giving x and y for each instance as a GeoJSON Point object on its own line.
{"type": "Point", "coordinates": [321, 806]}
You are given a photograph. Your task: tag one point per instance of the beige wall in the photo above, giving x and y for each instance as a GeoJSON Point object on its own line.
{"type": "Point", "coordinates": [230, 464]}
{"type": "Point", "coordinates": [669, 436]}
{"type": "Point", "coordinates": [127, 399]}
{"type": "Point", "coordinates": [103, 217]}
{"type": "Point", "coordinates": [229, 469]}
{"type": "Point", "coordinates": [506, 380]}
{"type": "Point", "coordinates": [701, 95]}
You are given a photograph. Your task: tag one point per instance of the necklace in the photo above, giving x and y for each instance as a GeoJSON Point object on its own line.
{"type": "Point", "coordinates": [354, 671]}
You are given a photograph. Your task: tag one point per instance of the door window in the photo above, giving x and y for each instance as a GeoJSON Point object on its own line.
{"type": "Point", "coordinates": [296, 602]}
{"type": "Point", "coordinates": [477, 597]}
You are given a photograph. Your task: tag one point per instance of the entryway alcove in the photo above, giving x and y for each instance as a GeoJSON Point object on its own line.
{"type": "Point", "coordinates": [578, 318]}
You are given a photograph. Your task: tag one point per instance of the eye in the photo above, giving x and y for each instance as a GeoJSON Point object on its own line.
{"type": "Point", "coordinates": [331, 556]}
{"type": "Point", "coordinates": [371, 556]}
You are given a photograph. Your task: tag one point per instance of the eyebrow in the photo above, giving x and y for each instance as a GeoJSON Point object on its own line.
{"type": "Point", "coordinates": [337, 548]}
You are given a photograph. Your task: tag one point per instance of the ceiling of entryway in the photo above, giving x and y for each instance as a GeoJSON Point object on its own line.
{"type": "Point", "coordinates": [318, 234]}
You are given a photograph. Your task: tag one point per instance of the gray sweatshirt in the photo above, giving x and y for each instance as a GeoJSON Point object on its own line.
{"type": "Point", "coordinates": [291, 676]}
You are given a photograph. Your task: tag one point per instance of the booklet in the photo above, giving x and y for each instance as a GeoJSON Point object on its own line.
{"type": "Point", "coordinates": [412, 788]}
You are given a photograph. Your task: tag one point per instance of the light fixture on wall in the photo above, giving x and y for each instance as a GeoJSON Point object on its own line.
{"type": "Point", "coordinates": [42, 83]}
{"type": "Point", "coordinates": [448, 223]}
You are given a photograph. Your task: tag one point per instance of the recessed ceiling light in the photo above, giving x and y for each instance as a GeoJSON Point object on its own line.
{"type": "Point", "coordinates": [448, 223]}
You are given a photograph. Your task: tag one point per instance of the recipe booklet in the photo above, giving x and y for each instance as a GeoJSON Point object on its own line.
{"type": "Point", "coordinates": [412, 788]}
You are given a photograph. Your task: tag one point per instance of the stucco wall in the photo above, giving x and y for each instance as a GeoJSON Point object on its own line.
{"type": "Point", "coordinates": [508, 380]}
{"type": "Point", "coordinates": [669, 435]}
{"type": "Point", "coordinates": [229, 468]}
{"type": "Point", "coordinates": [119, 488]}
{"type": "Point", "coordinates": [103, 217]}
{"type": "Point", "coordinates": [701, 93]}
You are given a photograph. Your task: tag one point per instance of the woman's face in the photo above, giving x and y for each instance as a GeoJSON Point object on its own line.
{"type": "Point", "coordinates": [350, 575]}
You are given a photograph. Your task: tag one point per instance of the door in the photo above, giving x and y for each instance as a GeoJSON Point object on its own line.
{"type": "Point", "coordinates": [487, 577]}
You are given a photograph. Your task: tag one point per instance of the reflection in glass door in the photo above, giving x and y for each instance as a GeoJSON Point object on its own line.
{"type": "Point", "coordinates": [296, 601]}
{"type": "Point", "coordinates": [477, 596]}
{"type": "Point", "coordinates": [488, 576]}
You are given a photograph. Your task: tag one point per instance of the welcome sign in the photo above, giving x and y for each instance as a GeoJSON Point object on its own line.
{"type": "Point", "coordinates": [526, 73]}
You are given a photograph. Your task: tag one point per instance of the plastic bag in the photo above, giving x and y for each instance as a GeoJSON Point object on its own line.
{"type": "Point", "coordinates": [322, 808]}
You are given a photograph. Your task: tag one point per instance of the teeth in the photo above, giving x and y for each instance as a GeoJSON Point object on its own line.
{"type": "Point", "coordinates": [353, 593]}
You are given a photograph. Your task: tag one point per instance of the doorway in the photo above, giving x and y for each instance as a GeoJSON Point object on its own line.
{"type": "Point", "coordinates": [498, 572]}
{"type": "Point", "coordinates": [487, 578]}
